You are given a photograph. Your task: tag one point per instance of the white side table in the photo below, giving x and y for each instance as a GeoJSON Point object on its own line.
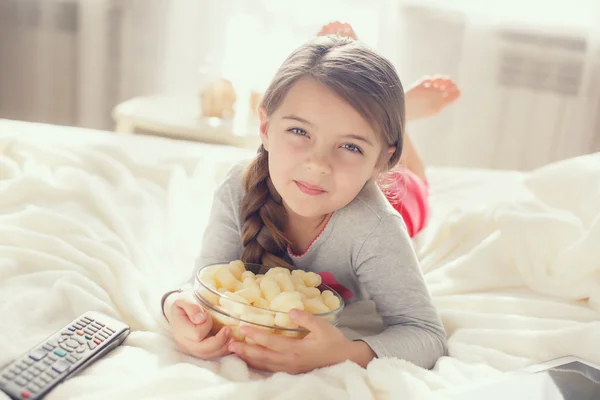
{"type": "Point", "coordinates": [180, 118]}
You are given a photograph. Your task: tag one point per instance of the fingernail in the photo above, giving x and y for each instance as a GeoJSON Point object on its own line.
{"type": "Point", "coordinates": [199, 318]}
{"type": "Point", "coordinates": [233, 347]}
{"type": "Point", "coordinates": [227, 332]}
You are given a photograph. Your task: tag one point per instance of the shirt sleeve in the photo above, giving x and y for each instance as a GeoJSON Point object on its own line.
{"type": "Point", "coordinates": [387, 268]}
{"type": "Point", "coordinates": [222, 240]}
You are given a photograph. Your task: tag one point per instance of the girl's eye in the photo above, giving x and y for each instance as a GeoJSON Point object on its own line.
{"type": "Point", "coordinates": [353, 148]}
{"type": "Point", "coordinates": [298, 131]}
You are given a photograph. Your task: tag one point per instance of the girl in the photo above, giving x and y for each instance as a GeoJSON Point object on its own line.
{"type": "Point", "coordinates": [332, 121]}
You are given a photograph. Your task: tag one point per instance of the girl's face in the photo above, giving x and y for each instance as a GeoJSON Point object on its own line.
{"type": "Point", "coordinates": [321, 150]}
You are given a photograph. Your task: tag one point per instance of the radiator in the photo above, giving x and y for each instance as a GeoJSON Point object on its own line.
{"type": "Point", "coordinates": [531, 95]}
{"type": "Point", "coordinates": [548, 98]}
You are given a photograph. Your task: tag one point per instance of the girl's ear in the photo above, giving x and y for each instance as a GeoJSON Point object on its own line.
{"type": "Point", "coordinates": [383, 161]}
{"type": "Point", "coordinates": [264, 125]}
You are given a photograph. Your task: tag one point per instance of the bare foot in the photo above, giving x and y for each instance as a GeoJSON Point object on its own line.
{"type": "Point", "coordinates": [339, 28]}
{"type": "Point", "coordinates": [430, 96]}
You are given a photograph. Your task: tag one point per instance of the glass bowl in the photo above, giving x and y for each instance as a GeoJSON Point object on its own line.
{"type": "Point", "coordinates": [225, 310]}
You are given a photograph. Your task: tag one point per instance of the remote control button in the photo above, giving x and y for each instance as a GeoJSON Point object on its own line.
{"type": "Point", "coordinates": [27, 375]}
{"type": "Point", "coordinates": [93, 329]}
{"type": "Point", "coordinates": [61, 366]}
{"type": "Point", "coordinates": [25, 394]}
{"type": "Point", "coordinates": [46, 378]}
{"type": "Point", "coordinates": [38, 368]}
{"type": "Point", "coordinates": [38, 354]}
{"type": "Point", "coordinates": [91, 345]}
{"type": "Point", "coordinates": [19, 367]}
{"type": "Point", "coordinates": [67, 333]}
{"type": "Point", "coordinates": [27, 361]}
{"type": "Point", "coordinates": [110, 330]}
{"type": "Point", "coordinates": [40, 382]}
{"type": "Point", "coordinates": [72, 343]}
{"type": "Point", "coordinates": [33, 388]}
{"type": "Point", "coordinates": [88, 337]}
{"type": "Point", "coordinates": [80, 333]}
{"type": "Point", "coordinates": [88, 331]}
{"type": "Point", "coordinates": [53, 343]}
{"type": "Point", "coordinates": [21, 381]}
{"type": "Point", "coordinates": [72, 328]}
{"type": "Point", "coordinates": [78, 325]}
{"type": "Point", "coordinates": [78, 355]}
{"type": "Point", "coordinates": [88, 319]}
{"type": "Point", "coordinates": [80, 340]}
{"type": "Point", "coordinates": [48, 347]}
{"type": "Point", "coordinates": [63, 346]}
{"type": "Point", "coordinates": [52, 373]}
{"type": "Point", "coordinates": [103, 335]}
{"type": "Point", "coordinates": [48, 361]}
{"type": "Point", "coordinates": [97, 341]}
{"type": "Point", "coordinates": [81, 349]}
{"type": "Point", "coordinates": [60, 352]}
{"type": "Point", "coordinates": [71, 359]}
{"type": "Point", "coordinates": [99, 323]}
{"type": "Point", "coordinates": [9, 375]}
{"type": "Point", "coordinates": [53, 357]}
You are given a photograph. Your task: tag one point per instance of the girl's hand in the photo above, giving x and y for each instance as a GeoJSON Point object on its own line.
{"type": "Point", "coordinates": [325, 345]}
{"type": "Point", "coordinates": [191, 327]}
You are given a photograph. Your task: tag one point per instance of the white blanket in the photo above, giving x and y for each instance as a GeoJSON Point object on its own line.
{"type": "Point", "coordinates": [109, 224]}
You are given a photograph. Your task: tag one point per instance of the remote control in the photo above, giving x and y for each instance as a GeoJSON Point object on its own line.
{"type": "Point", "coordinates": [62, 355]}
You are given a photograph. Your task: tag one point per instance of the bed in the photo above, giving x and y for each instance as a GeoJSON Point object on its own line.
{"type": "Point", "coordinates": [93, 220]}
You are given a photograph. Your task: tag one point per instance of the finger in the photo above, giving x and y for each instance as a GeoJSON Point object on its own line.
{"type": "Point", "coordinates": [184, 327]}
{"type": "Point", "coordinates": [210, 345]}
{"type": "Point", "coordinates": [191, 318]}
{"type": "Point", "coordinates": [193, 310]}
{"type": "Point", "coordinates": [308, 321]}
{"type": "Point", "coordinates": [259, 354]}
{"type": "Point", "coordinates": [260, 365]}
{"type": "Point", "coordinates": [292, 368]}
{"type": "Point", "coordinates": [209, 355]}
{"type": "Point", "coordinates": [220, 352]}
{"type": "Point", "coordinates": [277, 343]}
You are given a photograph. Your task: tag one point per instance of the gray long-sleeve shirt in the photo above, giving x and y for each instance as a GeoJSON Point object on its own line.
{"type": "Point", "coordinates": [365, 247]}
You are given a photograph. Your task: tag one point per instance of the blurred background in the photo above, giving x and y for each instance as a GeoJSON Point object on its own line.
{"type": "Point", "coordinates": [529, 70]}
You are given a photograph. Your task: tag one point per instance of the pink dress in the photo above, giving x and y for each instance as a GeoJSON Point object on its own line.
{"type": "Point", "coordinates": [408, 195]}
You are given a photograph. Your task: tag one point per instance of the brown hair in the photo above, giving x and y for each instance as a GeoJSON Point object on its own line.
{"type": "Point", "coordinates": [360, 76]}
